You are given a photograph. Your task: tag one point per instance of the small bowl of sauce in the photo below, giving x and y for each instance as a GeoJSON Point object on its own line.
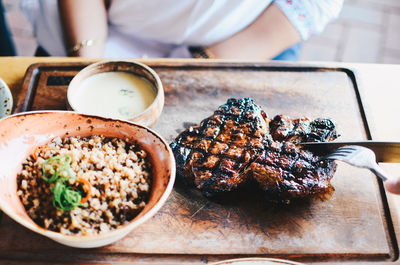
{"type": "Point", "coordinates": [118, 89]}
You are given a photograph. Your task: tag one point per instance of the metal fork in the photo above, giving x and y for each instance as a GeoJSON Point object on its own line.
{"type": "Point", "coordinates": [360, 157]}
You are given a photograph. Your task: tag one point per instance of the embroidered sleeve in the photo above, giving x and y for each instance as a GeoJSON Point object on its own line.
{"type": "Point", "coordinates": [310, 16]}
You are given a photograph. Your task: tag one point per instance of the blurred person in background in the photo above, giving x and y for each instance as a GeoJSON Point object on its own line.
{"type": "Point", "coordinates": [6, 44]}
{"type": "Point", "coordinates": [225, 29]}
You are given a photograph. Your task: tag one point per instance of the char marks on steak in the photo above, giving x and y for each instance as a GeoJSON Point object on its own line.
{"type": "Point", "coordinates": [214, 154]}
{"type": "Point", "coordinates": [239, 143]}
{"type": "Point", "coordinates": [285, 172]}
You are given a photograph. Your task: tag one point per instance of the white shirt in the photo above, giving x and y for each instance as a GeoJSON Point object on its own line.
{"type": "Point", "coordinates": [164, 28]}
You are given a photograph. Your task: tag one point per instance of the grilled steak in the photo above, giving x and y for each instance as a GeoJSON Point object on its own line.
{"type": "Point", "coordinates": [239, 143]}
{"type": "Point", "coordinates": [213, 155]}
{"type": "Point", "coordinates": [285, 172]}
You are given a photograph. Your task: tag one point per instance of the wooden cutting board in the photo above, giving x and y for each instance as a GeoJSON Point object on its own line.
{"type": "Point", "coordinates": [354, 225]}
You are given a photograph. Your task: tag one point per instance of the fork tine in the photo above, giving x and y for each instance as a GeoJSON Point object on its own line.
{"type": "Point", "coordinates": [338, 155]}
{"type": "Point", "coordinates": [328, 158]}
{"type": "Point", "coordinates": [332, 157]}
{"type": "Point", "coordinates": [343, 151]}
{"type": "Point", "coordinates": [340, 152]}
{"type": "Point", "coordinates": [348, 148]}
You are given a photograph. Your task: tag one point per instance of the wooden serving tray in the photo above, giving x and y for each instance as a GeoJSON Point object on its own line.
{"type": "Point", "coordinates": [355, 225]}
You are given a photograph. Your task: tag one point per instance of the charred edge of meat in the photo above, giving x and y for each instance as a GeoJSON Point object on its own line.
{"type": "Point", "coordinates": [182, 155]}
{"type": "Point", "coordinates": [243, 104]}
{"type": "Point", "coordinates": [323, 130]}
{"type": "Point", "coordinates": [242, 109]}
{"type": "Point", "coordinates": [283, 128]}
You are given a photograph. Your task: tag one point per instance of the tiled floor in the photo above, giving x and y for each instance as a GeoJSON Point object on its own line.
{"type": "Point", "coordinates": [366, 31]}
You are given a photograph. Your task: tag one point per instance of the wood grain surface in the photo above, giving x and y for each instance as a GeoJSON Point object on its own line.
{"type": "Point", "coordinates": [353, 225]}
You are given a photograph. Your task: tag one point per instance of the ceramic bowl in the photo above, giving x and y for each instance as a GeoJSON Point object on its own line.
{"type": "Point", "coordinates": [20, 134]}
{"type": "Point", "coordinates": [6, 100]}
{"type": "Point", "coordinates": [148, 117]}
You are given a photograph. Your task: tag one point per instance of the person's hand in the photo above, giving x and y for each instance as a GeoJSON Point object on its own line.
{"type": "Point", "coordinates": [393, 185]}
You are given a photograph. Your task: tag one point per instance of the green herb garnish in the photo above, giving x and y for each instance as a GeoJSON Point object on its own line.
{"type": "Point", "coordinates": [57, 171]}
{"type": "Point", "coordinates": [65, 198]}
{"type": "Point", "coordinates": [57, 168]}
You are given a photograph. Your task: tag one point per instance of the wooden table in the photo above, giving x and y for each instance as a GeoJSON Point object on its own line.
{"type": "Point", "coordinates": [379, 87]}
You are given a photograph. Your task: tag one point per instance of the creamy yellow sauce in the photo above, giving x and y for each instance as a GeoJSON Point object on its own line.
{"type": "Point", "coordinates": [118, 95]}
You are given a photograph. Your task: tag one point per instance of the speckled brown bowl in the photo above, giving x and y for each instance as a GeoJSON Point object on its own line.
{"type": "Point", "coordinates": [150, 115]}
{"type": "Point", "coordinates": [20, 134]}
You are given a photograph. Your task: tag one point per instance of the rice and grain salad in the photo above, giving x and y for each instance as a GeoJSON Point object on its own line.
{"type": "Point", "coordinates": [85, 186]}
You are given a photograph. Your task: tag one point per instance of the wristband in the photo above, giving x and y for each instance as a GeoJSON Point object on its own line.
{"type": "Point", "coordinates": [84, 43]}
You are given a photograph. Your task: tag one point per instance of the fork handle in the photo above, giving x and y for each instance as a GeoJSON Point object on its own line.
{"type": "Point", "coordinates": [379, 172]}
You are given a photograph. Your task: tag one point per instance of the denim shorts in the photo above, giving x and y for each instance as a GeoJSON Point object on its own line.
{"type": "Point", "coordinates": [291, 54]}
